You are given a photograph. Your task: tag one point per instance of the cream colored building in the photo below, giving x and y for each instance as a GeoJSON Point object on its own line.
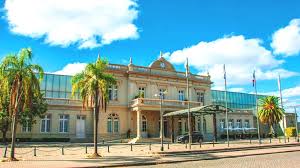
{"type": "Point", "coordinates": [131, 114]}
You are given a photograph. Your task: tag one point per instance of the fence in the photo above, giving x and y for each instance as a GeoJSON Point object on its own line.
{"type": "Point", "coordinates": [140, 147]}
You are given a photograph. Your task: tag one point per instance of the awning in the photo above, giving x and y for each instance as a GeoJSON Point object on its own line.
{"type": "Point", "coordinates": [202, 110]}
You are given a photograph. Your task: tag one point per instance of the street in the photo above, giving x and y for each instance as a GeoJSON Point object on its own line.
{"type": "Point", "coordinates": [278, 160]}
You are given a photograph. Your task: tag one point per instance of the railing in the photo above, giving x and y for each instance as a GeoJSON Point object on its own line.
{"type": "Point", "coordinates": [171, 103]}
{"type": "Point", "coordinates": [58, 101]}
{"type": "Point", "coordinates": [117, 67]}
{"type": "Point", "coordinates": [152, 71]}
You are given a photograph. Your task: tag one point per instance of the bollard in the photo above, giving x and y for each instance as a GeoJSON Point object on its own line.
{"type": "Point", "coordinates": [85, 149]}
{"type": "Point", "coordinates": [168, 145]}
{"type": "Point", "coordinates": [185, 145]}
{"type": "Point", "coordinates": [62, 150]}
{"type": "Point", "coordinates": [288, 139]}
{"type": "Point", "coordinates": [279, 139]}
{"type": "Point", "coordinates": [108, 148]}
{"type": "Point", "coordinates": [34, 151]}
{"type": "Point", "coordinates": [250, 139]}
{"type": "Point", "coordinates": [150, 146]}
{"type": "Point", "coordinates": [131, 147]}
{"type": "Point", "coordinates": [200, 143]}
{"type": "Point", "coordinates": [270, 140]}
{"type": "Point", "coordinates": [5, 151]}
{"type": "Point", "coordinates": [213, 143]}
{"type": "Point", "coordinates": [102, 141]}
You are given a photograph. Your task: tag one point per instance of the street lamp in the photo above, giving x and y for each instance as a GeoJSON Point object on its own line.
{"type": "Point", "coordinates": [161, 95]}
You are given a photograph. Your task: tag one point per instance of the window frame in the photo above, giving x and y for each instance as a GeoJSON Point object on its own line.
{"type": "Point", "coordinates": [65, 121]}
{"type": "Point", "coordinates": [46, 118]}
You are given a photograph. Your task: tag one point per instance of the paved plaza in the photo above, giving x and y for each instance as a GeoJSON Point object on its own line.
{"type": "Point", "coordinates": [277, 160]}
{"type": "Point", "coordinates": [52, 155]}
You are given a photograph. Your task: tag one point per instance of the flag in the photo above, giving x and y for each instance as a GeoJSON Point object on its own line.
{"type": "Point", "coordinates": [187, 69]}
{"type": "Point", "coordinates": [254, 79]}
{"type": "Point", "coordinates": [224, 69]}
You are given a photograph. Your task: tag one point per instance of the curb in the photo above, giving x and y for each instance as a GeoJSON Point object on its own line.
{"type": "Point", "coordinates": [199, 151]}
{"type": "Point", "coordinates": [191, 160]}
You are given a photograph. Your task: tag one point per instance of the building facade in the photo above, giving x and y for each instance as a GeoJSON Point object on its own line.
{"type": "Point", "coordinates": [134, 107]}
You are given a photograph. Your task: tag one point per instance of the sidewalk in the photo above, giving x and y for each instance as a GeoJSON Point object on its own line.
{"type": "Point", "coordinates": [121, 155]}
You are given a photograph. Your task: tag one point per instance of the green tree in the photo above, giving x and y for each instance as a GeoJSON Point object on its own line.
{"type": "Point", "coordinates": [93, 84]}
{"type": "Point", "coordinates": [270, 112]}
{"type": "Point", "coordinates": [4, 107]}
{"type": "Point", "coordinates": [23, 85]}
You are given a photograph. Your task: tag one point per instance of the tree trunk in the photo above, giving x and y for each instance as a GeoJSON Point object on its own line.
{"type": "Point", "coordinates": [96, 119]}
{"type": "Point", "coordinates": [4, 136]}
{"type": "Point", "coordinates": [13, 138]}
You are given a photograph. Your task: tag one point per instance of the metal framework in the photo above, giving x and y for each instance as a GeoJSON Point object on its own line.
{"type": "Point", "coordinates": [198, 111]}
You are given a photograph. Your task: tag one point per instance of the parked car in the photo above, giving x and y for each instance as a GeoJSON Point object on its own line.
{"type": "Point", "coordinates": [196, 137]}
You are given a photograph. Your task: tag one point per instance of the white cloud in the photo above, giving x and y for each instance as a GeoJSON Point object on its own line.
{"type": "Point", "coordinates": [290, 96]}
{"type": "Point", "coordinates": [240, 55]}
{"type": "Point", "coordinates": [71, 69]}
{"type": "Point", "coordinates": [286, 40]}
{"type": "Point", "coordinates": [89, 23]}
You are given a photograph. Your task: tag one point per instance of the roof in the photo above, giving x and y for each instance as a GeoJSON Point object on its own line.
{"type": "Point", "coordinates": [196, 111]}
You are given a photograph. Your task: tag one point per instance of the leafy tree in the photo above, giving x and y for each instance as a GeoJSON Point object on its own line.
{"type": "Point", "coordinates": [270, 112]}
{"type": "Point", "coordinates": [23, 86]}
{"type": "Point", "coordinates": [93, 84]}
{"type": "Point", "coordinates": [4, 110]}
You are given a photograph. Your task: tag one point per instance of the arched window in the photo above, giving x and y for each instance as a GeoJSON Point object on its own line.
{"type": "Point", "coordinates": [144, 124]}
{"type": "Point", "coordinates": [113, 123]}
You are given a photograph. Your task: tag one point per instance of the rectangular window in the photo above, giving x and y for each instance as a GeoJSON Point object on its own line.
{"type": "Point", "coordinates": [238, 123]}
{"type": "Point", "coordinates": [246, 124]}
{"type": "Point", "coordinates": [63, 123]}
{"type": "Point", "coordinates": [222, 124]}
{"type": "Point", "coordinates": [181, 95]}
{"type": "Point", "coordinates": [144, 126]}
{"type": "Point", "coordinates": [116, 125]}
{"type": "Point", "coordinates": [109, 125]}
{"type": "Point", "coordinates": [230, 123]}
{"type": "Point", "coordinates": [113, 92]}
{"type": "Point", "coordinates": [45, 123]}
{"type": "Point", "coordinates": [26, 127]}
{"type": "Point", "coordinates": [200, 97]}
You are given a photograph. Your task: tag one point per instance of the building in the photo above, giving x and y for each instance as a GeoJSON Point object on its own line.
{"type": "Point", "coordinates": [134, 107]}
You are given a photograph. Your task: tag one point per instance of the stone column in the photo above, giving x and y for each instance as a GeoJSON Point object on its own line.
{"type": "Point", "coordinates": [139, 123]}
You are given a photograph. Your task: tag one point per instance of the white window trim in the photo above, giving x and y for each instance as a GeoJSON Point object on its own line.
{"type": "Point", "coordinates": [65, 118]}
{"type": "Point", "coordinates": [46, 117]}
{"type": "Point", "coordinates": [26, 127]}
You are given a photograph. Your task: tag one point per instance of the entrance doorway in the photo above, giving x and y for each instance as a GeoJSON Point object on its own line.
{"type": "Point", "coordinates": [80, 126]}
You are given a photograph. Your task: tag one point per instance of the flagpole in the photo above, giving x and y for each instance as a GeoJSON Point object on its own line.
{"type": "Point", "coordinates": [256, 98]}
{"type": "Point", "coordinates": [188, 97]}
{"type": "Point", "coordinates": [283, 120]}
{"type": "Point", "coordinates": [225, 94]}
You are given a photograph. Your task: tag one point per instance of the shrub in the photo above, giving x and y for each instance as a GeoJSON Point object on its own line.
{"type": "Point", "coordinates": [290, 131]}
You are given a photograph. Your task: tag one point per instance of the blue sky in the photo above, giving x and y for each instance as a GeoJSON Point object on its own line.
{"type": "Point", "coordinates": [244, 35]}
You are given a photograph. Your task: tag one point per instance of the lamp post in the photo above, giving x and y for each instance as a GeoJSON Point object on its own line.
{"type": "Point", "coordinates": [160, 95]}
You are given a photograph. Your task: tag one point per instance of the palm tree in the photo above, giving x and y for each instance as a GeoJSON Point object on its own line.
{"type": "Point", "coordinates": [23, 86]}
{"type": "Point", "coordinates": [270, 112]}
{"type": "Point", "coordinates": [93, 84]}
